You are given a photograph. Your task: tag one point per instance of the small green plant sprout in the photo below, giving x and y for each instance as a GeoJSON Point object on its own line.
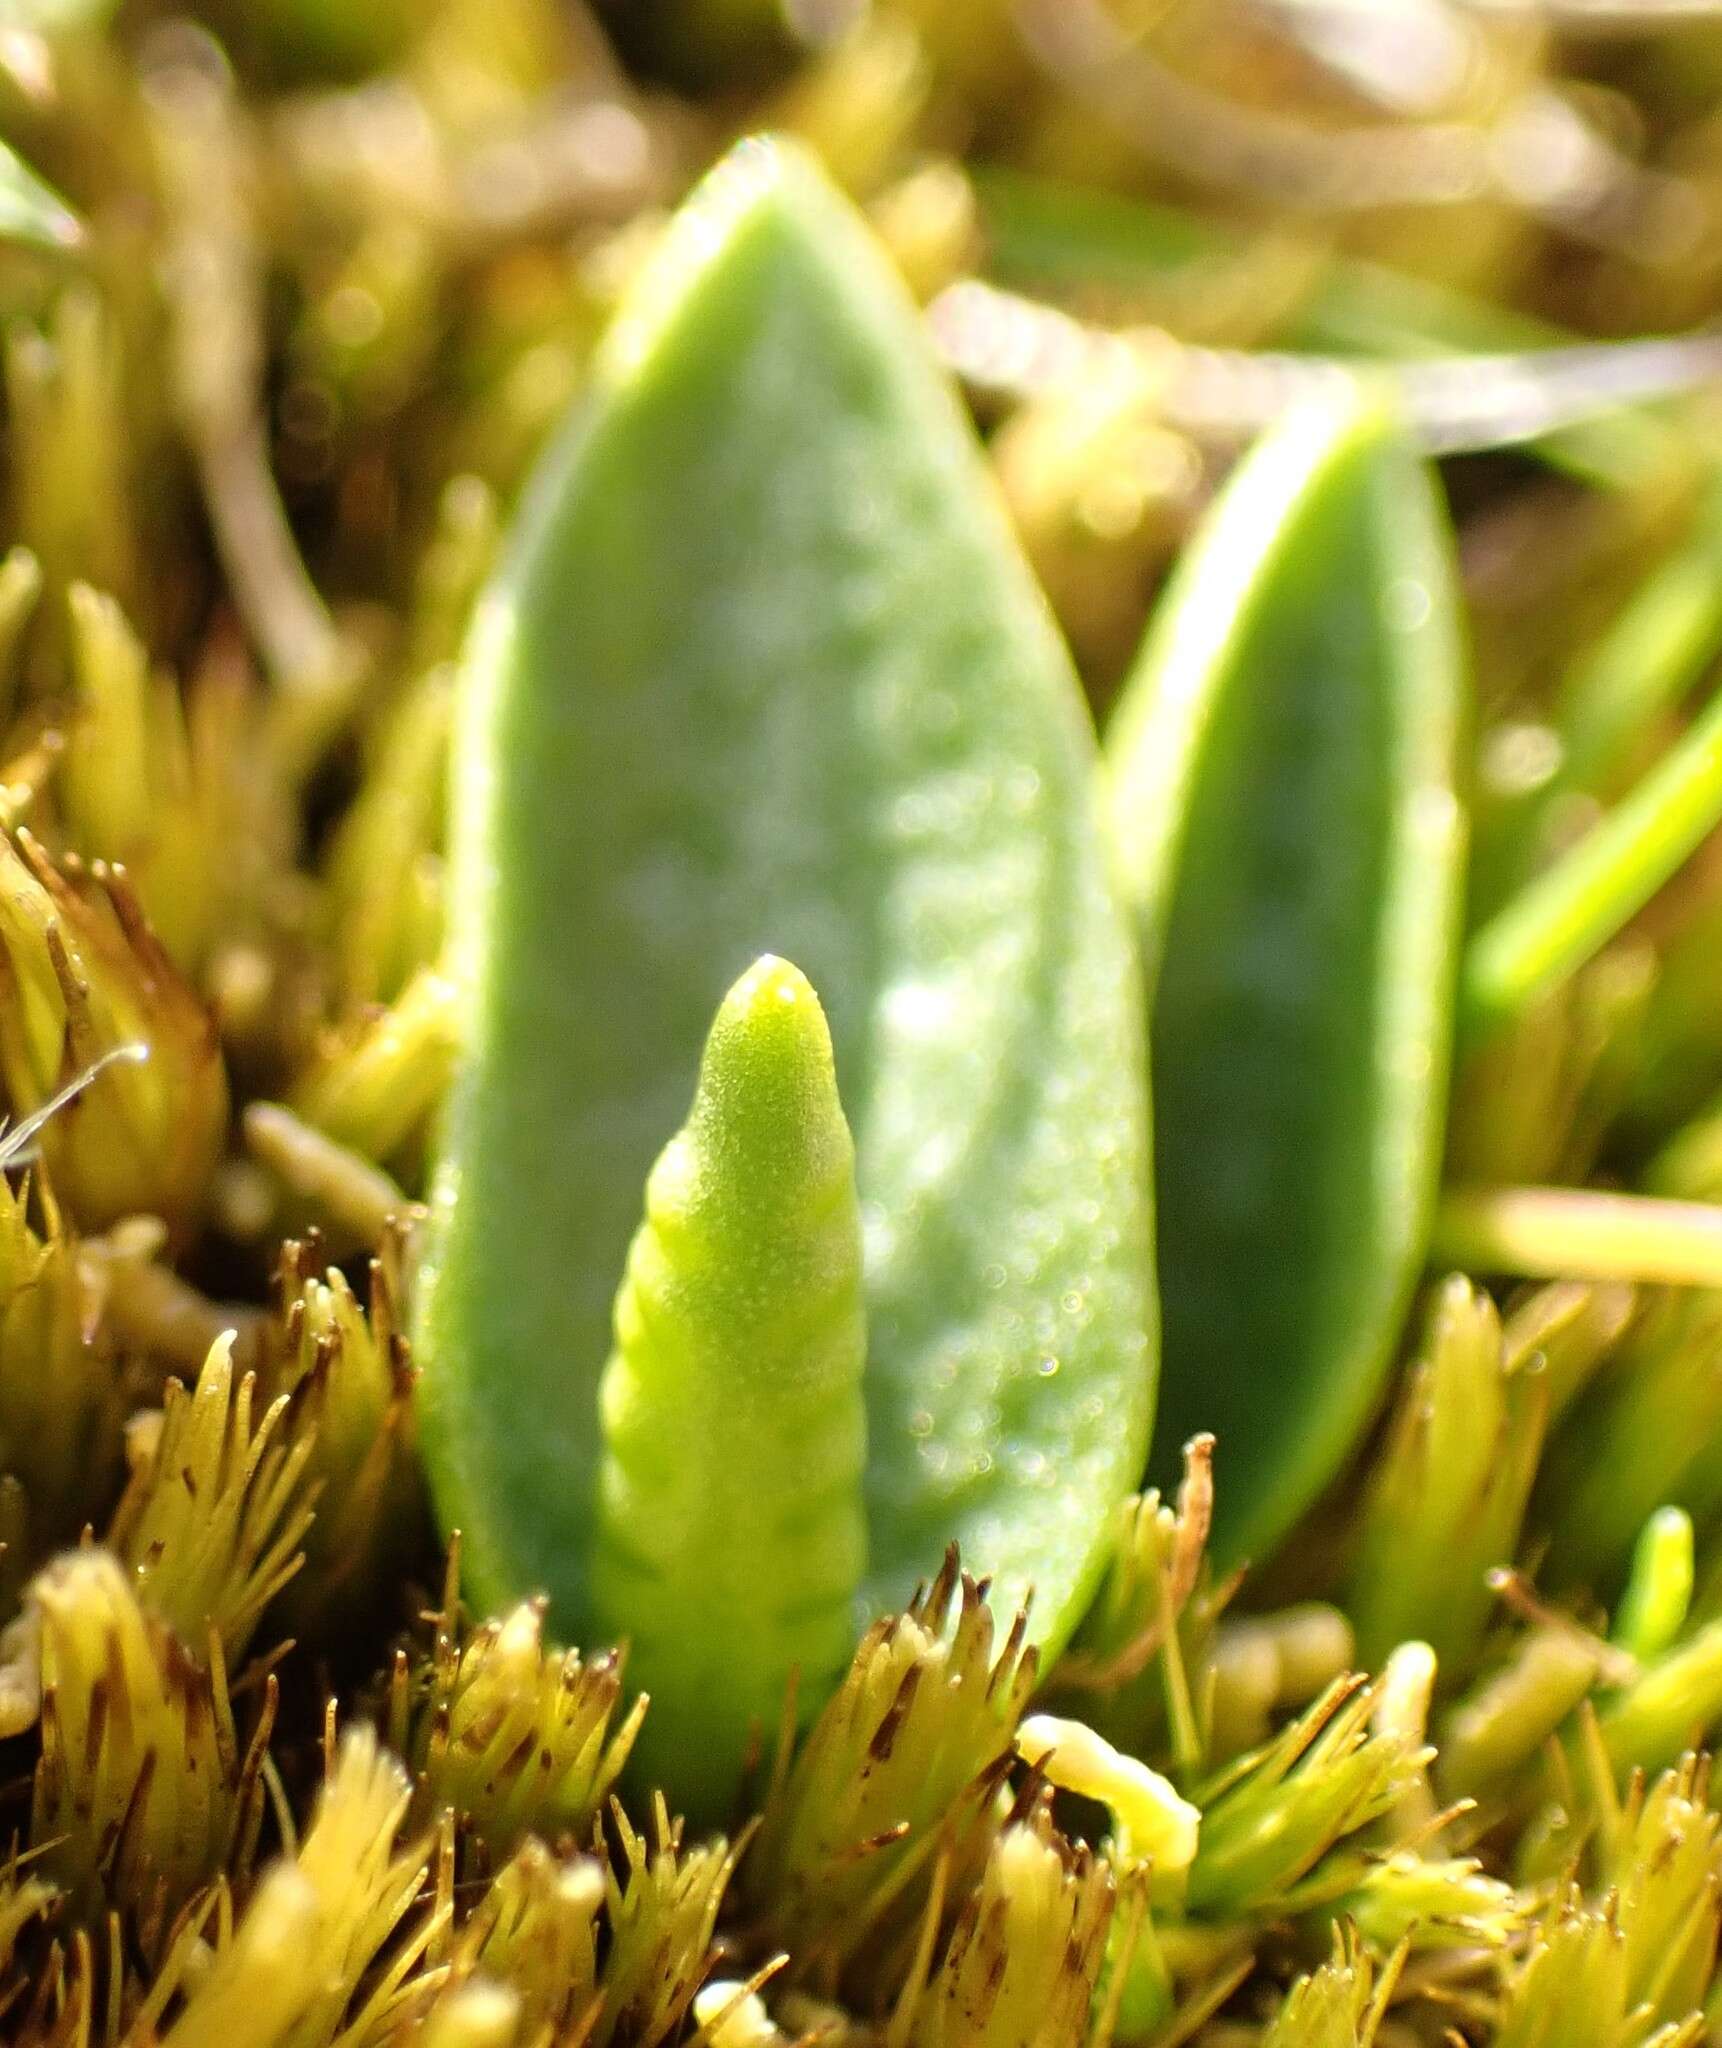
{"type": "Point", "coordinates": [731, 1535]}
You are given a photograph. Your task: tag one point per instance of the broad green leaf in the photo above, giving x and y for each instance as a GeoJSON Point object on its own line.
{"type": "Point", "coordinates": [31, 210]}
{"type": "Point", "coordinates": [1280, 776]}
{"type": "Point", "coordinates": [740, 1342]}
{"type": "Point", "coordinates": [765, 673]}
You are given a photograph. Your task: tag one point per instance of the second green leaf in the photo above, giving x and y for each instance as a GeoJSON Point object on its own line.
{"type": "Point", "coordinates": [1281, 782]}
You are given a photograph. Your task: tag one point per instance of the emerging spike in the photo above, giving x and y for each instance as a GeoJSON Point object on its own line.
{"type": "Point", "coordinates": [731, 1538]}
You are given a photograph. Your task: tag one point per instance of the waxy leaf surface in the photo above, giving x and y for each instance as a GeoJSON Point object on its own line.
{"type": "Point", "coordinates": [1280, 775]}
{"type": "Point", "coordinates": [767, 674]}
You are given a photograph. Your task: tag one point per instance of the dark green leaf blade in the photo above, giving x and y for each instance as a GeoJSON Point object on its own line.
{"type": "Point", "coordinates": [766, 674]}
{"type": "Point", "coordinates": [1281, 775]}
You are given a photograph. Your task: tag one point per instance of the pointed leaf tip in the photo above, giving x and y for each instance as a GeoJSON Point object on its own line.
{"type": "Point", "coordinates": [765, 181]}
{"type": "Point", "coordinates": [775, 1003]}
{"type": "Point", "coordinates": [767, 1103]}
